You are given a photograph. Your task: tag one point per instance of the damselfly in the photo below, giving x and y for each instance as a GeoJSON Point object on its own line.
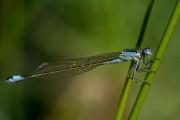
{"type": "Point", "coordinates": [70, 67]}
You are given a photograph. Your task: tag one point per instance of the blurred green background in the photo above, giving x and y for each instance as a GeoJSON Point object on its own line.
{"type": "Point", "coordinates": [37, 31]}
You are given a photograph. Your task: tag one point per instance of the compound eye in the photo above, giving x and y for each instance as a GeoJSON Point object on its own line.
{"type": "Point", "coordinates": [148, 51]}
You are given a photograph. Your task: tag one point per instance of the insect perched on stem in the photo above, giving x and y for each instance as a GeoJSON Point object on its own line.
{"type": "Point", "coordinates": [74, 66]}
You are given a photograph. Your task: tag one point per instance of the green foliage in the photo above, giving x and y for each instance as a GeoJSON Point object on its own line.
{"type": "Point", "coordinates": [127, 85]}
{"type": "Point", "coordinates": [154, 66]}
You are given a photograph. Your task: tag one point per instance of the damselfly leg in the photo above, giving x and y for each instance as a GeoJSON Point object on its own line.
{"type": "Point", "coordinates": [137, 68]}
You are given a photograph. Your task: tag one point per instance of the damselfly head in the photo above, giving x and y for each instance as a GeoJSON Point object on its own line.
{"type": "Point", "coordinates": [147, 51]}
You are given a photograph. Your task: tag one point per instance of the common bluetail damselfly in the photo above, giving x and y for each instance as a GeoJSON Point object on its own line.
{"type": "Point", "coordinates": [70, 67]}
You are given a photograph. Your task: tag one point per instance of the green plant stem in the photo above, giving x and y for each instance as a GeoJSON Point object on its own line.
{"type": "Point", "coordinates": [126, 89]}
{"type": "Point", "coordinates": [159, 53]}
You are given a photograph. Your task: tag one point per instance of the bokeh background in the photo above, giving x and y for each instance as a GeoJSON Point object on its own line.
{"type": "Point", "coordinates": [37, 31]}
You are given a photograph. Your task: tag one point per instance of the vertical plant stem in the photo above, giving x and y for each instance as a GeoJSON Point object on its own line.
{"type": "Point", "coordinates": [126, 89]}
{"type": "Point", "coordinates": [159, 53]}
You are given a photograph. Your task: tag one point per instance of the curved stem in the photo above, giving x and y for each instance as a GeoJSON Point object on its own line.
{"type": "Point", "coordinates": [126, 89]}
{"type": "Point", "coordinates": [159, 53]}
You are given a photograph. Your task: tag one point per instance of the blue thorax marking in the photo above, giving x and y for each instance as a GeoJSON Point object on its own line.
{"type": "Point", "coordinates": [125, 56]}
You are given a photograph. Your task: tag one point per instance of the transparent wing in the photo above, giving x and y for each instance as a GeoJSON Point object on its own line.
{"type": "Point", "coordinates": [70, 67]}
